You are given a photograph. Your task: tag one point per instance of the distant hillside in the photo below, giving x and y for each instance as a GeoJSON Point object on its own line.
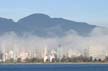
{"type": "Point", "coordinates": [43, 25]}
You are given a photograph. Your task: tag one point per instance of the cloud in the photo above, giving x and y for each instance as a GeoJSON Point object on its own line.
{"type": "Point", "coordinates": [96, 43]}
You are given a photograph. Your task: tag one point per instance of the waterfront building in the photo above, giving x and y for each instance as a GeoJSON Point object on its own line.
{"type": "Point", "coordinates": [97, 52]}
{"type": "Point", "coordinates": [73, 53]}
{"type": "Point", "coordinates": [23, 55]}
{"type": "Point", "coordinates": [52, 58]}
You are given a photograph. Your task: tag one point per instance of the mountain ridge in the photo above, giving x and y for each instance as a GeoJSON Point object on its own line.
{"type": "Point", "coordinates": [43, 25]}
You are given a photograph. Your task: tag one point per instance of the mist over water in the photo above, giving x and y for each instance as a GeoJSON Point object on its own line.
{"type": "Point", "coordinates": [96, 43]}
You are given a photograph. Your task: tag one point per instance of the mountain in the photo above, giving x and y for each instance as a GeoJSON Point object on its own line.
{"type": "Point", "coordinates": [44, 25]}
{"type": "Point", "coordinates": [6, 25]}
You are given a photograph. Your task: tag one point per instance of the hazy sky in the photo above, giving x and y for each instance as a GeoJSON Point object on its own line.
{"type": "Point", "coordinates": [91, 11]}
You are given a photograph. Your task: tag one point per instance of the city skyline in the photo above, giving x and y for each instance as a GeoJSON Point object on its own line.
{"type": "Point", "coordinates": [53, 55]}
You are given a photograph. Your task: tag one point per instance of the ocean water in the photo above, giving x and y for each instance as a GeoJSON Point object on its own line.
{"type": "Point", "coordinates": [54, 67]}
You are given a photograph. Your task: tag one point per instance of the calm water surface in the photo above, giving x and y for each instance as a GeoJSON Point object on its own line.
{"type": "Point", "coordinates": [55, 67]}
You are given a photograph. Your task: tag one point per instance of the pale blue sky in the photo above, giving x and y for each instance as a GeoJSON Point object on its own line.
{"type": "Point", "coordinates": [91, 11]}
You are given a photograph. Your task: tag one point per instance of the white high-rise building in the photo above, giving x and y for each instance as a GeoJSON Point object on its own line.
{"type": "Point", "coordinates": [45, 55]}
{"type": "Point", "coordinates": [59, 52]}
{"type": "Point", "coordinates": [97, 52]}
{"type": "Point", "coordinates": [73, 53]}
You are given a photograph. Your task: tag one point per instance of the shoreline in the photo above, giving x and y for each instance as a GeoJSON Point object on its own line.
{"type": "Point", "coordinates": [83, 63]}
